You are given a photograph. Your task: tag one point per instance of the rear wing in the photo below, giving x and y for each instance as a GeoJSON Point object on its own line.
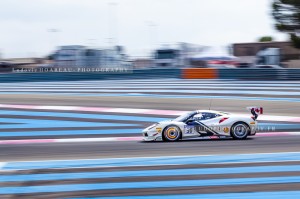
{"type": "Point", "coordinates": [256, 111]}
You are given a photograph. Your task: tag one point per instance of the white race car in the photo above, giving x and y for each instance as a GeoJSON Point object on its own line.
{"type": "Point", "coordinates": [205, 124]}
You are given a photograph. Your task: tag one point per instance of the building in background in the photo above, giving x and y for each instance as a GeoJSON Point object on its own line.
{"type": "Point", "coordinates": [7, 65]}
{"type": "Point", "coordinates": [140, 63]}
{"type": "Point", "coordinates": [93, 58]}
{"type": "Point", "coordinates": [167, 57]}
{"type": "Point", "coordinates": [176, 56]}
{"type": "Point", "coordinates": [247, 52]}
{"type": "Point", "coordinates": [81, 56]}
{"type": "Point", "coordinates": [70, 56]}
{"type": "Point", "coordinates": [268, 58]}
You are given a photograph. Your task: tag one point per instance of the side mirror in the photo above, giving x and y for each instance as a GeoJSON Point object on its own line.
{"type": "Point", "coordinates": [189, 121]}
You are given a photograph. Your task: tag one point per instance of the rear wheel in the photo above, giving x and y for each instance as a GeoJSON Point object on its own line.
{"type": "Point", "coordinates": [239, 130]}
{"type": "Point", "coordinates": [171, 133]}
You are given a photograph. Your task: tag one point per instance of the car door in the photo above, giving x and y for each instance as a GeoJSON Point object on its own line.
{"type": "Point", "coordinates": [200, 125]}
{"type": "Point", "coordinates": [211, 122]}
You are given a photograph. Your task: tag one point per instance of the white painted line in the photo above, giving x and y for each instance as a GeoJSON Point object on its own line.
{"type": "Point", "coordinates": [85, 140]}
{"type": "Point", "coordinates": [66, 108]}
{"type": "Point", "coordinates": [2, 165]}
{"type": "Point", "coordinates": [109, 139]}
{"type": "Point", "coordinates": [127, 110]}
{"type": "Point", "coordinates": [294, 133]}
{"type": "Point", "coordinates": [70, 140]}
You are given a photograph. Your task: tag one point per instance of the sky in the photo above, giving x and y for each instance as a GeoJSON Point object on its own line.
{"type": "Point", "coordinates": [33, 28]}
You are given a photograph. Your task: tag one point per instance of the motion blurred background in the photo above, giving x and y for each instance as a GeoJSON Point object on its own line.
{"type": "Point", "coordinates": [143, 34]}
{"type": "Point", "coordinates": [79, 80]}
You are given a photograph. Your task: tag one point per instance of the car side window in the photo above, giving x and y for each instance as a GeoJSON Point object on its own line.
{"type": "Point", "coordinates": [207, 116]}
{"type": "Point", "coordinates": [198, 117]}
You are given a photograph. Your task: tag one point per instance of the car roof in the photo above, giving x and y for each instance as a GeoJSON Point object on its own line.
{"type": "Point", "coordinates": [211, 111]}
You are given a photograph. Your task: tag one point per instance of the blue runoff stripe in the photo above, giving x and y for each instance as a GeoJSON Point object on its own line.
{"type": "Point", "coordinates": [38, 123]}
{"type": "Point", "coordinates": [123, 174]}
{"type": "Point", "coordinates": [152, 161]}
{"type": "Point", "coordinates": [71, 132]}
{"type": "Point", "coordinates": [82, 115]}
{"type": "Point", "coordinates": [252, 195]}
{"type": "Point", "coordinates": [147, 185]}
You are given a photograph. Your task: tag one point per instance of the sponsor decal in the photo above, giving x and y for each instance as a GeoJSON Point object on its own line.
{"type": "Point", "coordinates": [226, 130]}
{"type": "Point", "coordinates": [158, 129]}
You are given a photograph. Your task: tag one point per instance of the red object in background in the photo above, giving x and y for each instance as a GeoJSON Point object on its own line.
{"type": "Point", "coordinates": [222, 62]}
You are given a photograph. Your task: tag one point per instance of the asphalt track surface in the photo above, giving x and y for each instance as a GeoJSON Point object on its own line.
{"type": "Point", "coordinates": [29, 124]}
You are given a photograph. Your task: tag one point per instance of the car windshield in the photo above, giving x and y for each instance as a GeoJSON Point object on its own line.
{"type": "Point", "coordinates": [186, 116]}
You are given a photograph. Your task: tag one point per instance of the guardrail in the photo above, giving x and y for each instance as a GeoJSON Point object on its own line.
{"type": "Point", "coordinates": [249, 74]}
{"type": "Point", "coordinates": [185, 73]}
{"type": "Point", "coordinates": [241, 74]}
{"type": "Point", "coordinates": [76, 76]}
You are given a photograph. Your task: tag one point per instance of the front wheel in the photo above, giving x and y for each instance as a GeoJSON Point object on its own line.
{"type": "Point", "coordinates": [239, 130]}
{"type": "Point", "coordinates": [171, 133]}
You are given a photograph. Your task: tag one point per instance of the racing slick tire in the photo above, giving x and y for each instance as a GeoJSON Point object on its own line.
{"type": "Point", "coordinates": [239, 130]}
{"type": "Point", "coordinates": [171, 133]}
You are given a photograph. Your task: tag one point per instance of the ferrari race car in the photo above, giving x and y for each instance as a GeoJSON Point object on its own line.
{"type": "Point", "coordinates": [205, 124]}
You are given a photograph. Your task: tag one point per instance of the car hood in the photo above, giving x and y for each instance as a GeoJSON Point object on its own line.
{"type": "Point", "coordinates": [157, 124]}
{"type": "Point", "coordinates": [165, 121]}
